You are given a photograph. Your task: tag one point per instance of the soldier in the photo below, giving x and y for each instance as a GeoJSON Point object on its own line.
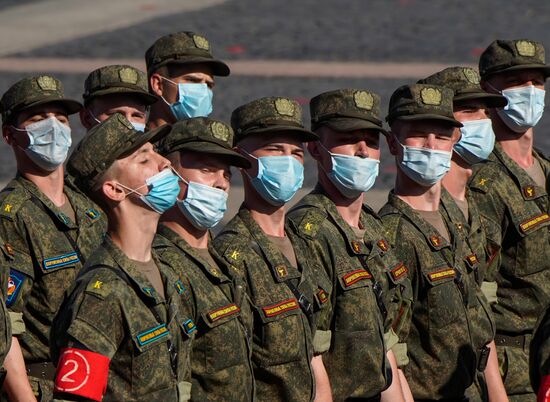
{"type": "Point", "coordinates": [123, 333]}
{"type": "Point", "coordinates": [116, 89]}
{"type": "Point", "coordinates": [5, 326]}
{"type": "Point", "coordinates": [284, 285]}
{"type": "Point", "coordinates": [199, 150]}
{"type": "Point", "coordinates": [370, 285]}
{"type": "Point", "coordinates": [49, 229]}
{"type": "Point", "coordinates": [450, 323]}
{"type": "Point", "coordinates": [510, 191]}
{"type": "Point", "coordinates": [181, 71]}
{"type": "Point", "coordinates": [475, 141]}
{"type": "Point", "coordinates": [539, 360]}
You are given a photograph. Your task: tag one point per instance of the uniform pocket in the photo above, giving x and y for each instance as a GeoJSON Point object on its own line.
{"type": "Point", "coordinates": [445, 302]}
{"type": "Point", "coordinates": [280, 331]}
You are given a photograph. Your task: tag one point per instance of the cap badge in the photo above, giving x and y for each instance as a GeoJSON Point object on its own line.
{"type": "Point", "coordinates": [128, 75]}
{"type": "Point", "coordinates": [219, 131]}
{"type": "Point", "coordinates": [471, 75]}
{"type": "Point", "coordinates": [284, 107]}
{"type": "Point", "coordinates": [431, 96]}
{"type": "Point", "coordinates": [47, 83]}
{"type": "Point", "coordinates": [201, 42]}
{"type": "Point", "coordinates": [525, 48]}
{"type": "Point", "coordinates": [363, 100]}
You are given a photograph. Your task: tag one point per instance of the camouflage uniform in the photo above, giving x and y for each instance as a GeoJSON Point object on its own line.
{"type": "Point", "coordinates": [5, 324]}
{"type": "Point", "coordinates": [285, 300]}
{"type": "Point", "coordinates": [183, 48]}
{"type": "Point", "coordinates": [369, 283]}
{"type": "Point", "coordinates": [514, 211]}
{"type": "Point", "coordinates": [539, 357]}
{"type": "Point", "coordinates": [450, 321]}
{"type": "Point", "coordinates": [220, 359]}
{"type": "Point", "coordinates": [43, 247]}
{"type": "Point", "coordinates": [113, 311]}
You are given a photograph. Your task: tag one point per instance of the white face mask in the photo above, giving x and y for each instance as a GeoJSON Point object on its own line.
{"type": "Point", "coordinates": [49, 143]}
{"type": "Point", "coordinates": [524, 109]}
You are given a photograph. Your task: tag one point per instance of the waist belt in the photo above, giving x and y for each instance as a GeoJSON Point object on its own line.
{"type": "Point", "coordinates": [43, 371]}
{"type": "Point", "coordinates": [517, 341]}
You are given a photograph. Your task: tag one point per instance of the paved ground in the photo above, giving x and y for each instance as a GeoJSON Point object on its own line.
{"type": "Point", "coordinates": [263, 38]}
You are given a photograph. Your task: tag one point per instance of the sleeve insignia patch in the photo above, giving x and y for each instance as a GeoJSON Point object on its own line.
{"type": "Point", "coordinates": [14, 286]}
{"type": "Point", "coordinates": [222, 312]}
{"type": "Point", "coordinates": [179, 287]}
{"type": "Point", "coordinates": [472, 260]}
{"type": "Point", "coordinates": [152, 335]}
{"type": "Point", "coordinates": [532, 223]}
{"type": "Point", "coordinates": [281, 307]}
{"type": "Point", "coordinates": [529, 191]}
{"type": "Point", "coordinates": [399, 271]}
{"type": "Point", "coordinates": [355, 276]}
{"type": "Point", "coordinates": [189, 326]}
{"type": "Point", "coordinates": [60, 261]}
{"type": "Point", "coordinates": [442, 274]}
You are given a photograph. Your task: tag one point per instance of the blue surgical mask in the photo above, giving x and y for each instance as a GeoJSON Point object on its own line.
{"type": "Point", "coordinates": [425, 166]}
{"type": "Point", "coordinates": [278, 179]}
{"type": "Point", "coordinates": [138, 126]}
{"type": "Point", "coordinates": [49, 143]}
{"type": "Point", "coordinates": [524, 109]}
{"type": "Point", "coordinates": [477, 140]}
{"type": "Point", "coordinates": [352, 175]}
{"type": "Point", "coordinates": [163, 191]}
{"type": "Point", "coordinates": [204, 205]}
{"type": "Point", "coordinates": [194, 100]}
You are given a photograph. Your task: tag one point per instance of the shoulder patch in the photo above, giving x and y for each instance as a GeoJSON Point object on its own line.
{"type": "Point", "coordinates": [391, 224]}
{"type": "Point", "coordinates": [15, 282]}
{"type": "Point", "coordinates": [13, 202]}
{"type": "Point", "coordinates": [99, 287]}
{"type": "Point", "coordinates": [484, 178]}
{"type": "Point", "coordinates": [311, 222]}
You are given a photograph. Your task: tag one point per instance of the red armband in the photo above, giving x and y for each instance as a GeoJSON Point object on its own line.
{"type": "Point", "coordinates": [83, 373]}
{"type": "Point", "coordinates": [544, 389]}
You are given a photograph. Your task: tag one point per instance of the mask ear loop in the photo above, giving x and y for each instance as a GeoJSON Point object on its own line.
{"type": "Point", "coordinates": [93, 116]}
{"type": "Point", "coordinates": [172, 82]}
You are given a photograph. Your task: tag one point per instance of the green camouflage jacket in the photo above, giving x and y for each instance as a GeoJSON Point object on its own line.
{"type": "Point", "coordinates": [282, 333]}
{"type": "Point", "coordinates": [450, 322]}
{"type": "Point", "coordinates": [114, 311]}
{"type": "Point", "coordinates": [221, 348]}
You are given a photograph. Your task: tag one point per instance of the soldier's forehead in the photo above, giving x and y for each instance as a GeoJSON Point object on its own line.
{"type": "Point", "coordinates": [53, 107]}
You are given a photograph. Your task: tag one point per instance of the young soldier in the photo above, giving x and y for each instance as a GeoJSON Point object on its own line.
{"type": "Point", "coordinates": [122, 333]}
{"type": "Point", "coordinates": [283, 282]}
{"type": "Point", "coordinates": [475, 142]}
{"type": "Point", "coordinates": [49, 229]}
{"type": "Point", "coordinates": [181, 71]}
{"type": "Point", "coordinates": [448, 335]}
{"type": "Point", "coordinates": [116, 89]}
{"type": "Point", "coordinates": [370, 285]}
{"type": "Point", "coordinates": [511, 194]}
{"type": "Point", "coordinates": [199, 150]}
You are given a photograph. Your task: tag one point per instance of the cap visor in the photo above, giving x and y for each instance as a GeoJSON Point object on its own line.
{"type": "Point", "coordinates": [234, 158]}
{"type": "Point", "coordinates": [351, 124]}
{"type": "Point", "coordinates": [544, 68]}
{"type": "Point", "coordinates": [141, 138]}
{"type": "Point", "coordinates": [303, 134]}
{"type": "Point", "coordinates": [145, 97]}
{"type": "Point", "coordinates": [219, 68]}
{"type": "Point", "coordinates": [490, 100]}
{"type": "Point", "coordinates": [71, 106]}
{"type": "Point", "coordinates": [452, 122]}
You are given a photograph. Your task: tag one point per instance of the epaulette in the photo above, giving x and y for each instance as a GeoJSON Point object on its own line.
{"type": "Point", "coordinates": [391, 222]}
{"type": "Point", "coordinates": [483, 178]}
{"type": "Point", "coordinates": [231, 246]}
{"type": "Point", "coordinates": [310, 223]}
{"type": "Point", "coordinates": [102, 281]}
{"type": "Point", "coordinates": [12, 199]}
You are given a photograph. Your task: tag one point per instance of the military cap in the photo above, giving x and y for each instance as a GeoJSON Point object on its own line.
{"type": "Point", "coordinates": [422, 102]}
{"type": "Point", "coordinates": [346, 110]}
{"type": "Point", "coordinates": [201, 134]}
{"type": "Point", "coordinates": [269, 115]}
{"type": "Point", "coordinates": [511, 55]}
{"type": "Point", "coordinates": [464, 81]}
{"type": "Point", "coordinates": [117, 79]}
{"type": "Point", "coordinates": [112, 139]}
{"type": "Point", "coordinates": [34, 91]}
{"type": "Point", "coordinates": [183, 48]}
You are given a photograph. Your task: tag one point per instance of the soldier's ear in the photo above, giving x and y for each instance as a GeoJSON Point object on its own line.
{"type": "Point", "coordinates": [313, 149]}
{"type": "Point", "coordinates": [156, 84]}
{"type": "Point", "coordinates": [112, 190]}
{"type": "Point", "coordinates": [85, 119]}
{"type": "Point", "coordinates": [6, 134]}
{"type": "Point", "coordinates": [392, 143]}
